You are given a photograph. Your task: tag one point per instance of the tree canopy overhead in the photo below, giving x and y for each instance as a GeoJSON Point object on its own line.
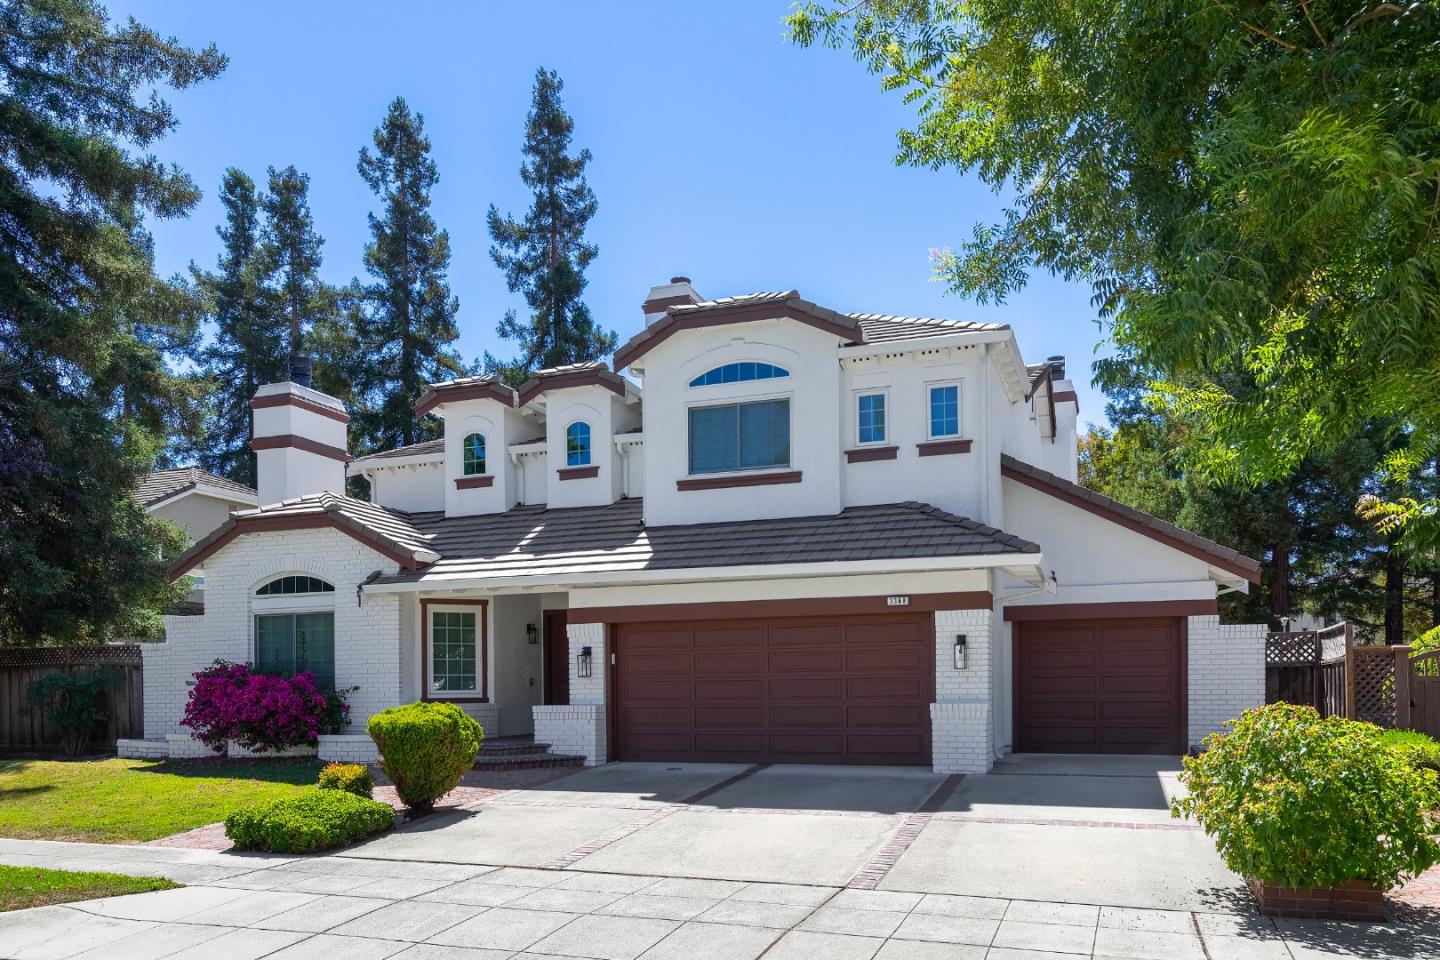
{"type": "Point", "coordinates": [1248, 188]}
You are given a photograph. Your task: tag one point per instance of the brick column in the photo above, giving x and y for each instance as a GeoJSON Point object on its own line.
{"type": "Point", "coordinates": [578, 728]}
{"type": "Point", "coordinates": [1227, 672]}
{"type": "Point", "coordinates": [961, 718]}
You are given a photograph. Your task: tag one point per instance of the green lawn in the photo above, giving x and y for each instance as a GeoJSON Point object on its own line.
{"type": "Point", "coordinates": [124, 801]}
{"type": "Point", "coordinates": [22, 887]}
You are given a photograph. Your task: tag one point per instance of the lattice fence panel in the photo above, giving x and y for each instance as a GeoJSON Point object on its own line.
{"type": "Point", "coordinates": [1375, 685]}
{"type": "Point", "coordinates": [1282, 648]}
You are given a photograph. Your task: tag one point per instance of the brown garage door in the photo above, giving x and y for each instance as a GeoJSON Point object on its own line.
{"type": "Point", "coordinates": [803, 690]}
{"type": "Point", "coordinates": [1099, 686]}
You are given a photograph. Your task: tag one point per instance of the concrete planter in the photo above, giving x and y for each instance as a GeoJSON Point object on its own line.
{"type": "Point", "coordinates": [1356, 900]}
{"type": "Point", "coordinates": [237, 752]}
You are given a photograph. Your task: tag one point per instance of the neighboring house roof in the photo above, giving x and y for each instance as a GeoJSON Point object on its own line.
{"type": "Point", "coordinates": [1203, 548]}
{"type": "Point", "coordinates": [164, 485]}
{"type": "Point", "coordinates": [388, 532]}
{"type": "Point", "coordinates": [613, 539]}
{"type": "Point", "coordinates": [426, 448]}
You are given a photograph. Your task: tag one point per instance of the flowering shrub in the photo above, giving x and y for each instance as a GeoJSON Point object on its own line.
{"type": "Point", "coordinates": [229, 701]}
{"type": "Point", "coordinates": [351, 777]}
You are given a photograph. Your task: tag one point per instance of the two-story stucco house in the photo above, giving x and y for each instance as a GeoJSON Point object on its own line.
{"type": "Point", "coordinates": [789, 535]}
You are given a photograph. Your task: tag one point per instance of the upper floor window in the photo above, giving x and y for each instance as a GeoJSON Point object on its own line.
{"type": "Point", "coordinates": [577, 444]}
{"type": "Point", "coordinates": [739, 373]}
{"type": "Point", "coordinates": [870, 418]}
{"type": "Point", "coordinates": [474, 454]}
{"type": "Point", "coordinates": [945, 411]}
{"type": "Point", "coordinates": [740, 436]}
{"type": "Point", "coordinates": [286, 586]}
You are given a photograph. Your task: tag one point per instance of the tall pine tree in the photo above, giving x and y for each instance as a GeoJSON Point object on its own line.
{"type": "Point", "coordinates": [249, 347]}
{"type": "Point", "coordinates": [406, 323]}
{"type": "Point", "coordinates": [290, 251]}
{"type": "Point", "coordinates": [544, 255]}
{"type": "Point", "coordinates": [81, 560]}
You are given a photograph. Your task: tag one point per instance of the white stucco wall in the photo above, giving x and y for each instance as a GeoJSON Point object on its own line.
{"type": "Point", "coordinates": [286, 472]}
{"type": "Point", "coordinates": [367, 633]}
{"type": "Point", "coordinates": [516, 681]}
{"type": "Point", "coordinates": [197, 514]}
{"type": "Point", "coordinates": [607, 414]}
{"type": "Point", "coordinates": [414, 488]}
{"type": "Point", "coordinates": [500, 426]}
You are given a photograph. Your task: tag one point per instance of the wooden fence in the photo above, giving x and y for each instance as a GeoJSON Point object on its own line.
{"type": "Point", "coordinates": [24, 730]}
{"type": "Point", "coordinates": [1312, 668]}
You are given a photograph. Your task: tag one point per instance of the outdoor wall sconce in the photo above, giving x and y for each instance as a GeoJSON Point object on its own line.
{"type": "Point", "coordinates": [960, 651]}
{"type": "Point", "coordinates": [584, 663]}
{"type": "Point", "coordinates": [532, 634]}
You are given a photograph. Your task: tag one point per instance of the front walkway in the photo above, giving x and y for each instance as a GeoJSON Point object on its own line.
{"type": "Point", "coordinates": [1039, 861]}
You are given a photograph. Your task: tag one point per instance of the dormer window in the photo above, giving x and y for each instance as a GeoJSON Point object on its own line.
{"type": "Point", "coordinates": [944, 410]}
{"type": "Point", "coordinates": [474, 454]}
{"type": "Point", "coordinates": [577, 444]}
{"type": "Point", "coordinates": [739, 373]}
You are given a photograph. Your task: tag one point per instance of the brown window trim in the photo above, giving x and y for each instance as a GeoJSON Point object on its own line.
{"type": "Point", "coordinates": [299, 443]}
{"type": "Point", "coordinates": [940, 448]}
{"type": "Point", "coordinates": [866, 454]}
{"type": "Point", "coordinates": [476, 480]}
{"type": "Point", "coordinates": [741, 480]}
{"type": "Point", "coordinates": [304, 403]}
{"type": "Point", "coordinates": [578, 473]}
{"type": "Point", "coordinates": [482, 655]}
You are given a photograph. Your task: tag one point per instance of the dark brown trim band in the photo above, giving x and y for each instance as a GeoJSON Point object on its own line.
{"type": "Point", "coordinates": [578, 473]}
{"type": "Point", "coordinates": [740, 480]}
{"type": "Point", "coordinates": [757, 609]}
{"type": "Point", "coordinates": [940, 448]}
{"type": "Point", "coordinates": [867, 454]}
{"type": "Point", "coordinates": [597, 377]}
{"type": "Point", "coordinates": [478, 480]}
{"type": "Point", "coordinates": [1070, 395]}
{"type": "Point", "coordinates": [661, 304]}
{"type": "Point", "coordinates": [299, 443]}
{"type": "Point", "coordinates": [1128, 522]}
{"type": "Point", "coordinates": [671, 324]}
{"type": "Point", "coordinates": [1112, 611]}
{"type": "Point", "coordinates": [304, 403]}
{"type": "Point", "coordinates": [485, 390]}
{"type": "Point", "coordinates": [482, 659]}
{"type": "Point", "coordinates": [261, 524]}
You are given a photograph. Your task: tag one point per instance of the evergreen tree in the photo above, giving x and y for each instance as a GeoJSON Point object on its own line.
{"type": "Point", "coordinates": [249, 347]}
{"type": "Point", "coordinates": [544, 256]}
{"type": "Point", "coordinates": [80, 559]}
{"type": "Point", "coordinates": [406, 322]}
{"type": "Point", "coordinates": [290, 250]}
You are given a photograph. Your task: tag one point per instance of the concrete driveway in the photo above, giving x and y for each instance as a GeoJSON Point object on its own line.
{"type": "Point", "coordinates": [1088, 830]}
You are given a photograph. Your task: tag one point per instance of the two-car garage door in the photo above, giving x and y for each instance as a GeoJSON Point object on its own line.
{"type": "Point", "coordinates": [785, 690]}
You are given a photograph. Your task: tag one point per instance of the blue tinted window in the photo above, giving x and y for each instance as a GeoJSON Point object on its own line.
{"type": "Point", "coordinates": [739, 436]}
{"type": "Point", "coordinates": [739, 373]}
{"type": "Point", "coordinates": [577, 444]}
{"type": "Point", "coordinates": [871, 414]}
{"type": "Point", "coordinates": [474, 454]}
{"type": "Point", "coordinates": [945, 411]}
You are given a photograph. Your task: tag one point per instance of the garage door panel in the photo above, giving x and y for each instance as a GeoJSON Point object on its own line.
{"type": "Point", "coordinates": [1061, 686]}
{"type": "Point", "coordinates": [1137, 688]}
{"type": "Point", "coordinates": [813, 690]}
{"type": "Point", "coordinates": [658, 639]}
{"type": "Point", "coordinates": [1062, 661]}
{"type": "Point", "coordinates": [1084, 711]}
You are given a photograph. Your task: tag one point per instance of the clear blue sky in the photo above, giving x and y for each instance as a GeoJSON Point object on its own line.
{"type": "Point", "coordinates": [721, 152]}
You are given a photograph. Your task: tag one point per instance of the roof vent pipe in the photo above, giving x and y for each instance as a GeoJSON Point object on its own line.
{"type": "Point", "coordinates": [300, 368]}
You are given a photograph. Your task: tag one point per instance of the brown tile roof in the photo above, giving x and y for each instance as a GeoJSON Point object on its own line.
{"type": "Point", "coordinates": [426, 448]}
{"type": "Point", "coordinates": [1191, 543]}
{"type": "Point", "coordinates": [879, 328]}
{"type": "Point", "coordinates": [163, 484]}
{"type": "Point", "coordinates": [535, 541]}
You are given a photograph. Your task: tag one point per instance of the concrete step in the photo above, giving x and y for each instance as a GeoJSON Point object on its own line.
{"type": "Point", "coordinates": [510, 748]}
{"type": "Point", "coordinates": [527, 761]}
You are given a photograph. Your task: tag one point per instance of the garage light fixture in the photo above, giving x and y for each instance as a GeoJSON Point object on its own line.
{"type": "Point", "coordinates": [584, 663]}
{"type": "Point", "coordinates": [532, 634]}
{"type": "Point", "coordinates": [960, 651]}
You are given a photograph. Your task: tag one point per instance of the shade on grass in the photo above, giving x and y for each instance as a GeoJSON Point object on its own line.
{"type": "Point", "coordinates": [126, 801]}
{"type": "Point", "coordinates": [22, 887]}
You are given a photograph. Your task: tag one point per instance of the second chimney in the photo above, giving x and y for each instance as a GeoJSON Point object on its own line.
{"type": "Point", "coordinates": [299, 442]}
{"type": "Point", "coordinates": [667, 295]}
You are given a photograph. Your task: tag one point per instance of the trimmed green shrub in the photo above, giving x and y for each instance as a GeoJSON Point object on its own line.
{"type": "Point", "coordinates": [425, 748]}
{"type": "Point", "coordinates": [351, 777]}
{"type": "Point", "coordinates": [1420, 750]}
{"type": "Point", "coordinates": [1299, 801]}
{"type": "Point", "coordinates": [313, 820]}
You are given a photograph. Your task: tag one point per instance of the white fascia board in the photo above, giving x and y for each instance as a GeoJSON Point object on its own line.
{"type": "Point", "coordinates": [968, 338]}
{"type": "Point", "coordinates": [1027, 566]}
{"type": "Point", "coordinates": [366, 464]}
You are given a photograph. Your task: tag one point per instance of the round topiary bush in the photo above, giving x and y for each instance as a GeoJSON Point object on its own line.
{"type": "Point", "coordinates": [1295, 800]}
{"type": "Point", "coordinates": [310, 821]}
{"type": "Point", "coordinates": [351, 777]}
{"type": "Point", "coordinates": [425, 748]}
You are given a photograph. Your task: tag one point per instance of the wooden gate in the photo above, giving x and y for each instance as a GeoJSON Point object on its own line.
{"type": "Point", "coordinates": [24, 730]}
{"type": "Point", "coordinates": [1417, 694]}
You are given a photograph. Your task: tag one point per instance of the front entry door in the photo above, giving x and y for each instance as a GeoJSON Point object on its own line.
{"type": "Point", "coordinates": [557, 659]}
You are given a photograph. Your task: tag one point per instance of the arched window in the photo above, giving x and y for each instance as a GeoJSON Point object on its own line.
{"type": "Point", "coordinates": [739, 373]}
{"type": "Point", "coordinates": [286, 586]}
{"type": "Point", "coordinates": [577, 444]}
{"type": "Point", "coordinates": [474, 454]}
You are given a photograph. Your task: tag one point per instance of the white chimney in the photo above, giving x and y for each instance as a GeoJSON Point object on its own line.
{"type": "Point", "coordinates": [667, 295]}
{"type": "Point", "coordinates": [299, 442]}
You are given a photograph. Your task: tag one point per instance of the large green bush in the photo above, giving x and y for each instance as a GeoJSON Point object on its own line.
{"type": "Point", "coordinates": [1299, 801]}
{"type": "Point", "coordinates": [1420, 750]}
{"type": "Point", "coordinates": [313, 820]}
{"type": "Point", "coordinates": [351, 777]}
{"type": "Point", "coordinates": [425, 748]}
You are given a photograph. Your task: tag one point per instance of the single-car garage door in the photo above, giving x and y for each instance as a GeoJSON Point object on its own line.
{"type": "Point", "coordinates": [1100, 686]}
{"type": "Point", "coordinates": [791, 690]}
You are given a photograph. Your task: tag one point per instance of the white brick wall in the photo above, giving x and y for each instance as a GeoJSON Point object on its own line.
{"type": "Point", "coordinates": [1227, 672]}
{"type": "Point", "coordinates": [579, 727]}
{"type": "Point", "coordinates": [367, 634]}
{"type": "Point", "coordinates": [348, 748]}
{"type": "Point", "coordinates": [961, 719]}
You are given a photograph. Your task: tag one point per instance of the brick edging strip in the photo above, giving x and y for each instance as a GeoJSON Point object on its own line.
{"type": "Point", "coordinates": [870, 875]}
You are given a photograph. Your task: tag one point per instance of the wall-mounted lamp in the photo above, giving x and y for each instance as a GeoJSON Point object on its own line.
{"type": "Point", "coordinates": [532, 634]}
{"type": "Point", "coordinates": [584, 663]}
{"type": "Point", "coordinates": [960, 651]}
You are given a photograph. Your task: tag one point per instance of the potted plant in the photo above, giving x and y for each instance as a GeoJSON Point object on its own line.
{"type": "Point", "coordinates": [1317, 814]}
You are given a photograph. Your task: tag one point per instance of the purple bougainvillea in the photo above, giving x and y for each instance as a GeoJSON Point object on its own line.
{"type": "Point", "coordinates": [229, 701]}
